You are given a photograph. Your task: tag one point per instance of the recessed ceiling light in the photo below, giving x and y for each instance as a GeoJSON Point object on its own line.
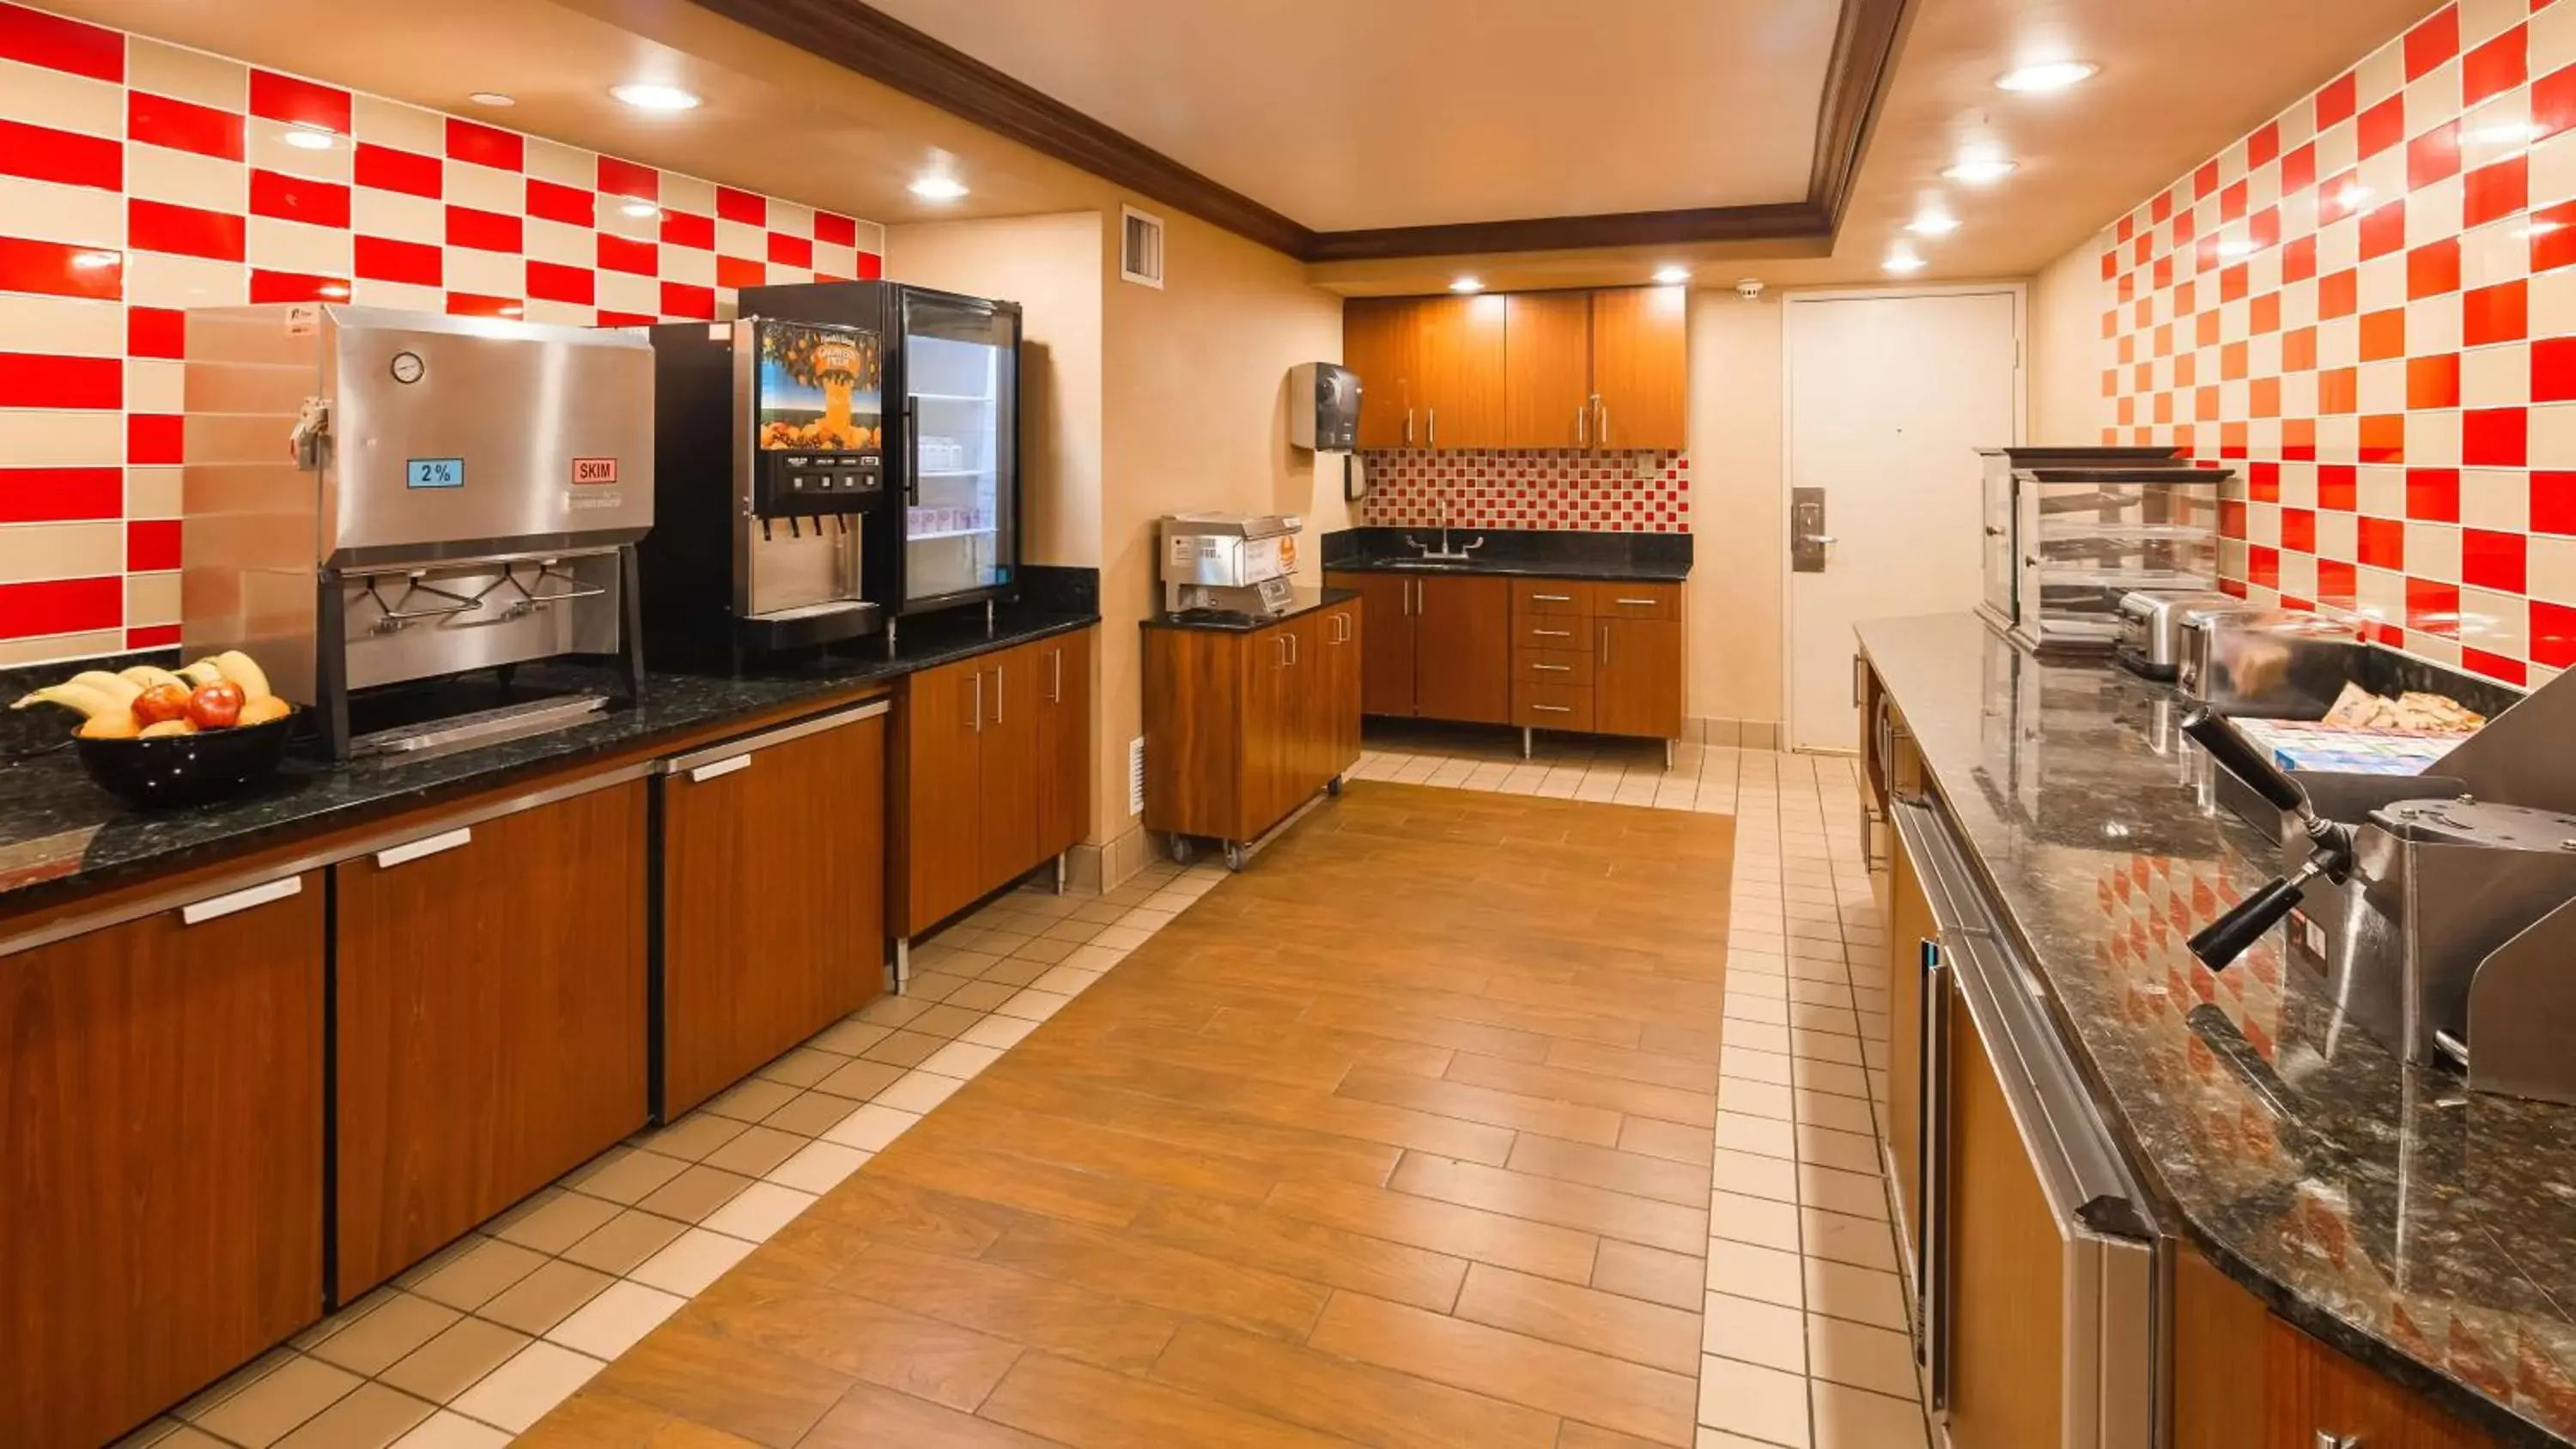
{"type": "Point", "coordinates": [1933, 223]}
{"type": "Point", "coordinates": [1902, 262]}
{"type": "Point", "coordinates": [308, 137]}
{"type": "Point", "coordinates": [1672, 275]}
{"type": "Point", "coordinates": [640, 208]}
{"type": "Point", "coordinates": [2054, 76]}
{"type": "Point", "coordinates": [645, 96]}
{"type": "Point", "coordinates": [491, 98]}
{"type": "Point", "coordinates": [1980, 170]}
{"type": "Point", "coordinates": [939, 188]}
{"type": "Point", "coordinates": [1467, 284]}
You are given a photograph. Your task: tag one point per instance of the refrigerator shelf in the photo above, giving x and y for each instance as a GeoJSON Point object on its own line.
{"type": "Point", "coordinates": [949, 533]}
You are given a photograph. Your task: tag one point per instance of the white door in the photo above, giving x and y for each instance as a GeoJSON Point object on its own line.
{"type": "Point", "coordinates": [1889, 400]}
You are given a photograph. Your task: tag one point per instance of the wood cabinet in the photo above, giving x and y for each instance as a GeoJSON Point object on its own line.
{"type": "Point", "coordinates": [992, 774]}
{"type": "Point", "coordinates": [1637, 678]}
{"type": "Point", "coordinates": [490, 1019]}
{"type": "Point", "coordinates": [1386, 664]}
{"type": "Point", "coordinates": [1640, 368]}
{"type": "Point", "coordinates": [1462, 651]}
{"type": "Point", "coordinates": [1241, 726]}
{"type": "Point", "coordinates": [163, 1131]}
{"type": "Point", "coordinates": [2009, 1308]}
{"type": "Point", "coordinates": [1599, 658]}
{"type": "Point", "coordinates": [1547, 388]}
{"type": "Point", "coordinates": [772, 897]}
{"type": "Point", "coordinates": [1579, 369]}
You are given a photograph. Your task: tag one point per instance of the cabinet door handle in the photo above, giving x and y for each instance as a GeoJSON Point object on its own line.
{"type": "Point", "coordinates": [1431, 428]}
{"type": "Point", "coordinates": [1554, 598]}
{"type": "Point", "coordinates": [1553, 633]}
{"type": "Point", "coordinates": [1292, 647]}
{"type": "Point", "coordinates": [1605, 643]}
{"type": "Point", "coordinates": [1408, 427]}
{"type": "Point", "coordinates": [427, 845]}
{"type": "Point", "coordinates": [1553, 708]}
{"type": "Point", "coordinates": [200, 912]}
{"type": "Point", "coordinates": [1555, 668]}
{"type": "Point", "coordinates": [1056, 696]}
{"type": "Point", "coordinates": [979, 701]}
{"type": "Point", "coordinates": [1421, 605]}
{"type": "Point", "coordinates": [1605, 420]}
{"type": "Point", "coordinates": [1636, 603]}
{"type": "Point", "coordinates": [1582, 426]}
{"type": "Point", "coordinates": [718, 769]}
{"type": "Point", "coordinates": [997, 693]}
{"type": "Point", "coordinates": [1279, 646]}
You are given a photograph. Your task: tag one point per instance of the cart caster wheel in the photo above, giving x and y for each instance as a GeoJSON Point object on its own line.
{"type": "Point", "coordinates": [1236, 856]}
{"type": "Point", "coordinates": [1184, 850]}
{"type": "Point", "coordinates": [1333, 787]}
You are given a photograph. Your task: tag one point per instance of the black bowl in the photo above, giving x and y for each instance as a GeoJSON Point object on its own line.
{"type": "Point", "coordinates": [186, 769]}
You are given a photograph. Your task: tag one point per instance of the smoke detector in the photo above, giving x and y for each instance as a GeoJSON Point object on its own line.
{"type": "Point", "coordinates": [1750, 289]}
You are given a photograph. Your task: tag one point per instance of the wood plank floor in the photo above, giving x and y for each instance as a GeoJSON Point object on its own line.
{"type": "Point", "coordinates": [1400, 1138]}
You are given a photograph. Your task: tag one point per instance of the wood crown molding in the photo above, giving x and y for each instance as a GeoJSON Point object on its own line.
{"type": "Point", "coordinates": [861, 38]}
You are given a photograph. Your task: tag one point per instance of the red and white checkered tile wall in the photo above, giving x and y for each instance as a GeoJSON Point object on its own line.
{"type": "Point", "coordinates": [1531, 488]}
{"type": "Point", "coordinates": [138, 179]}
{"type": "Point", "coordinates": [2368, 306]}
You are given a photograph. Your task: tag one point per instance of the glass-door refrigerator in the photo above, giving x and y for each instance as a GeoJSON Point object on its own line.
{"type": "Point", "coordinates": [952, 454]}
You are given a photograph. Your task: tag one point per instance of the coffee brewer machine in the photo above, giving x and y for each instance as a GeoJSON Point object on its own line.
{"type": "Point", "coordinates": [770, 436]}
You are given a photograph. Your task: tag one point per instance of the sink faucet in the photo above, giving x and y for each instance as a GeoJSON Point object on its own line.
{"type": "Point", "coordinates": [1446, 554]}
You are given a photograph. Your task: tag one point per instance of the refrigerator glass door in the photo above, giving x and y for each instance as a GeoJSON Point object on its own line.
{"type": "Point", "coordinates": [961, 381]}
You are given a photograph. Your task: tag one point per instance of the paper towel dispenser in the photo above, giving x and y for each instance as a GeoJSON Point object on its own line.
{"type": "Point", "coordinates": [1323, 407]}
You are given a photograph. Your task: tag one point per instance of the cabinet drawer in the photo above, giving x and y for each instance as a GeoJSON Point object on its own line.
{"type": "Point", "coordinates": [1567, 667]}
{"type": "Point", "coordinates": [1553, 633]}
{"type": "Point", "coordinates": [1551, 706]}
{"type": "Point", "coordinates": [1539, 598]}
{"type": "Point", "coordinates": [1636, 601]}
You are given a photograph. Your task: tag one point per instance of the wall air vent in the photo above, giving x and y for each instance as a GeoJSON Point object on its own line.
{"type": "Point", "coordinates": [1140, 249]}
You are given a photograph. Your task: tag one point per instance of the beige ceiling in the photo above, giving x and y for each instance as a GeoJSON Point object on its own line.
{"type": "Point", "coordinates": [2180, 79]}
{"type": "Point", "coordinates": [1349, 114]}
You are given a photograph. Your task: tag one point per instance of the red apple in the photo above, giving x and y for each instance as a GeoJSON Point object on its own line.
{"type": "Point", "coordinates": [161, 703]}
{"type": "Point", "coordinates": [216, 706]}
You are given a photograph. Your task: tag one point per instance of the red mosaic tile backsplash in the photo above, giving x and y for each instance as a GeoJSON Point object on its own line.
{"type": "Point", "coordinates": [138, 179]}
{"type": "Point", "coordinates": [2369, 306]}
{"type": "Point", "coordinates": [1645, 492]}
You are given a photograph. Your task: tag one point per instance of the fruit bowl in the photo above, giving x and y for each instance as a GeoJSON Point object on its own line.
{"type": "Point", "coordinates": [190, 769]}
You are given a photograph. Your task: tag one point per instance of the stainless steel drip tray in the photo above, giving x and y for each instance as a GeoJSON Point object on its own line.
{"type": "Point", "coordinates": [428, 739]}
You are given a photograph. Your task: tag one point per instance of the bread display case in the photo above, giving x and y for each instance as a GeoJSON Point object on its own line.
{"type": "Point", "coordinates": [2087, 536]}
{"type": "Point", "coordinates": [2001, 516]}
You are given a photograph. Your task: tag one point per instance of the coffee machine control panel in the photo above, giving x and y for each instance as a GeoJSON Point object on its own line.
{"type": "Point", "coordinates": [807, 485]}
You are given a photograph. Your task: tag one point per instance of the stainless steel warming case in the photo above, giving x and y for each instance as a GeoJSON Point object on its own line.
{"type": "Point", "coordinates": [374, 497]}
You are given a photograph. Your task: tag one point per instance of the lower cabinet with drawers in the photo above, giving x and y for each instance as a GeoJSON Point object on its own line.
{"type": "Point", "coordinates": [1588, 656]}
{"type": "Point", "coordinates": [1242, 726]}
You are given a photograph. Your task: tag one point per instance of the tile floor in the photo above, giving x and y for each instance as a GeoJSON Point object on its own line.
{"type": "Point", "coordinates": [1803, 1326]}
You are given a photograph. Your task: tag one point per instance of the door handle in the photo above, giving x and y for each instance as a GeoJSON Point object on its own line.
{"type": "Point", "coordinates": [215, 907]}
{"type": "Point", "coordinates": [997, 693]}
{"type": "Point", "coordinates": [1057, 694]}
{"type": "Point", "coordinates": [717, 769]}
{"type": "Point", "coordinates": [427, 845]}
{"type": "Point", "coordinates": [1818, 538]}
{"type": "Point", "coordinates": [979, 701]}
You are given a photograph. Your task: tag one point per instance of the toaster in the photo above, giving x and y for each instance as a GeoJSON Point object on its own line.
{"type": "Point", "coordinates": [2273, 663]}
{"type": "Point", "coordinates": [2151, 627]}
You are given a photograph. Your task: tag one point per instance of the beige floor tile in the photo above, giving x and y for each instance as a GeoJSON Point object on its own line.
{"type": "Point", "coordinates": [1864, 1357]}
{"type": "Point", "coordinates": [1761, 1221]}
{"type": "Point", "coordinates": [1741, 1097]}
{"type": "Point", "coordinates": [1069, 980]}
{"type": "Point", "coordinates": [519, 1393]}
{"type": "Point", "coordinates": [961, 1059]}
{"type": "Point", "coordinates": [818, 1167]}
{"type": "Point", "coordinates": [1849, 1151]}
{"type": "Point", "coordinates": [1849, 1418]}
{"type": "Point", "coordinates": [1744, 1006]}
{"type": "Point", "coordinates": [694, 1194]}
{"type": "Point", "coordinates": [545, 1297]}
{"type": "Point", "coordinates": [905, 1048]}
{"type": "Point", "coordinates": [850, 1036]}
{"type": "Point", "coordinates": [1842, 1114]}
{"type": "Point", "coordinates": [449, 1364]}
{"type": "Point", "coordinates": [1860, 1195]}
{"type": "Point", "coordinates": [1752, 1331]}
{"type": "Point", "coordinates": [615, 1320]}
{"type": "Point", "coordinates": [1843, 1081]}
{"type": "Point", "coordinates": [1862, 1295]}
{"type": "Point", "coordinates": [804, 1066]}
{"type": "Point", "coordinates": [761, 1210]}
{"type": "Point", "coordinates": [811, 1114]}
{"type": "Point", "coordinates": [891, 1010]}
{"type": "Point", "coordinates": [1766, 1136]}
{"type": "Point", "coordinates": [1745, 1398]}
{"type": "Point", "coordinates": [1018, 973]}
{"type": "Point", "coordinates": [626, 1176]}
{"type": "Point", "coordinates": [756, 1151]}
{"type": "Point", "coordinates": [1003, 1032]}
{"type": "Point", "coordinates": [1747, 1271]}
{"type": "Point", "coordinates": [624, 1241]}
{"type": "Point", "coordinates": [1861, 1242]}
{"type": "Point", "coordinates": [693, 1260]}
{"type": "Point", "coordinates": [691, 1138]}
{"type": "Point", "coordinates": [944, 1022]}
{"type": "Point", "coordinates": [1754, 1175]}
{"type": "Point", "coordinates": [397, 1324]}
{"type": "Point", "coordinates": [1033, 1005]}
{"type": "Point", "coordinates": [979, 996]}
{"type": "Point", "coordinates": [278, 1403]}
{"type": "Point", "coordinates": [557, 1223]}
{"type": "Point", "coordinates": [1824, 1046]}
{"type": "Point", "coordinates": [1095, 957]}
{"type": "Point", "coordinates": [1756, 1066]}
{"type": "Point", "coordinates": [222, 1390]}
{"type": "Point", "coordinates": [371, 1417]}
{"type": "Point", "coordinates": [932, 989]}
{"type": "Point", "coordinates": [918, 1091]}
{"type": "Point", "coordinates": [1124, 938]}
{"type": "Point", "coordinates": [474, 1276]}
{"type": "Point", "coordinates": [168, 1434]}
{"type": "Point", "coordinates": [872, 1128]}
{"type": "Point", "coordinates": [752, 1100]}
{"type": "Point", "coordinates": [1740, 1035]}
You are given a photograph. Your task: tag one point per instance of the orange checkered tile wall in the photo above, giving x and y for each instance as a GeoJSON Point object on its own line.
{"type": "Point", "coordinates": [138, 179]}
{"type": "Point", "coordinates": [2368, 307]}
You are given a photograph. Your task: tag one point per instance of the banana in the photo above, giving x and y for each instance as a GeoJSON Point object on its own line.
{"type": "Point", "coordinates": [144, 676]}
{"type": "Point", "coordinates": [111, 685]}
{"type": "Point", "coordinates": [239, 668]}
{"type": "Point", "coordinates": [204, 671]}
{"type": "Point", "coordinates": [90, 702]}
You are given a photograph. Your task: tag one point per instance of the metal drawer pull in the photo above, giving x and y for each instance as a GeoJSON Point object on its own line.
{"type": "Point", "coordinates": [997, 693]}
{"type": "Point", "coordinates": [1637, 603]}
{"type": "Point", "coordinates": [979, 701]}
{"type": "Point", "coordinates": [1557, 598]}
{"type": "Point", "coordinates": [240, 900]}
{"type": "Point", "coordinates": [1553, 633]}
{"type": "Point", "coordinates": [1555, 668]}
{"type": "Point", "coordinates": [2328, 1439]}
{"type": "Point", "coordinates": [1057, 695]}
{"type": "Point", "coordinates": [716, 769]}
{"type": "Point", "coordinates": [1605, 643]}
{"type": "Point", "coordinates": [1553, 708]}
{"type": "Point", "coordinates": [427, 845]}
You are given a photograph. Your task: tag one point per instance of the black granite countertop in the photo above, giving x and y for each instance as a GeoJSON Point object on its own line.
{"type": "Point", "coordinates": [2424, 1229]}
{"type": "Point", "coordinates": [1302, 601]}
{"type": "Point", "coordinates": [61, 835]}
{"type": "Point", "coordinates": [1519, 552]}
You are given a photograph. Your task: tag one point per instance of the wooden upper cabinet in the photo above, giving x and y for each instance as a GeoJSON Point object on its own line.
{"type": "Point", "coordinates": [1381, 342]}
{"type": "Point", "coordinates": [1547, 372]}
{"type": "Point", "coordinates": [1461, 377]}
{"type": "Point", "coordinates": [1640, 368]}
